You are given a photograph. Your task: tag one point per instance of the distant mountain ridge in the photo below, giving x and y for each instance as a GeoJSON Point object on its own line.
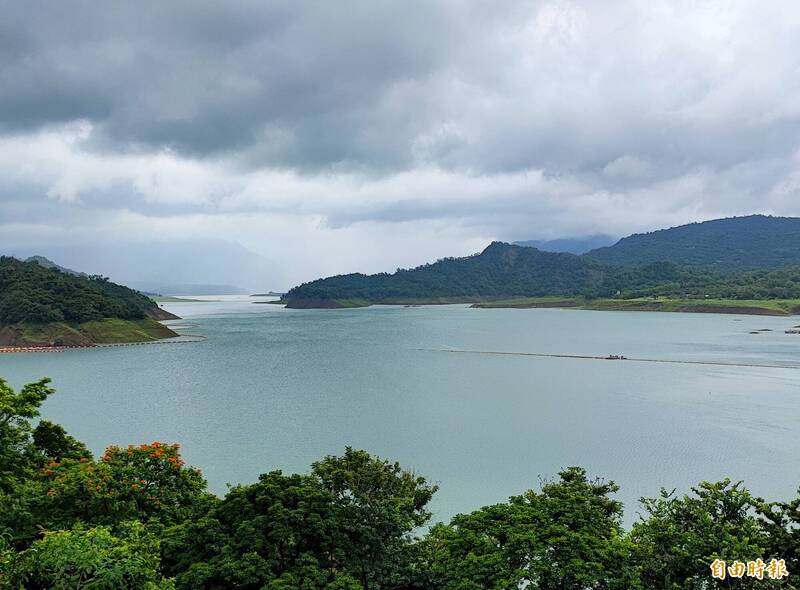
{"type": "Point", "coordinates": [742, 257]}
{"type": "Point", "coordinates": [571, 245]}
{"type": "Point", "coordinates": [47, 263]}
{"type": "Point", "coordinates": [732, 244]}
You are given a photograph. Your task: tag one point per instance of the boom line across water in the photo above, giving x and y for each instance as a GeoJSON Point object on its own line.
{"type": "Point", "coordinates": [610, 358]}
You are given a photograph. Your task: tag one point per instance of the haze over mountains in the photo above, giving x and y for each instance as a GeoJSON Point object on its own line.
{"type": "Point", "coordinates": [735, 257]}
{"type": "Point", "coordinates": [187, 267]}
{"type": "Point", "coordinates": [571, 245]}
{"type": "Point", "coordinates": [47, 263]}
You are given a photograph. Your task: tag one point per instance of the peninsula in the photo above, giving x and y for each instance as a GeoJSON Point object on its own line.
{"type": "Point", "coordinates": [48, 307]}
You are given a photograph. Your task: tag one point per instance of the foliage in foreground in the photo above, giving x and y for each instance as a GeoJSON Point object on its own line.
{"type": "Point", "coordinates": [137, 517]}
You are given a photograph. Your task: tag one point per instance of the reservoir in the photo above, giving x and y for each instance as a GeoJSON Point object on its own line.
{"type": "Point", "coordinates": [271, 388]}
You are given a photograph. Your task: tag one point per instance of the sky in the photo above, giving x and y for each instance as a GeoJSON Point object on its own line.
{"type": "Point", "coordinates": [263, 144]}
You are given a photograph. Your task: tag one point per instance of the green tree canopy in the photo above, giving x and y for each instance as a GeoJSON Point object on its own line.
{"type": "Point", "coordinates": [94, 558]}
{"type": "Point", "coordinates": [678, 537]}
{"type": "Point", "coordinates": [347, 524]}
{"type": "Point", "coordinates": [567, 536]}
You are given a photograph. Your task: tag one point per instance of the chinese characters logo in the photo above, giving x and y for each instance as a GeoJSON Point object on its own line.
{"type": "Point", "coordinates": [775, 570]}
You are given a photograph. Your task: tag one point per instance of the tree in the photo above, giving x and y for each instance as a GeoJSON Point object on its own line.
{"type": "Point", "coordinates": [94, 558]}
{"type": "Point", "coordinates": [283, 527]}
{"type": "Point", "coordinates": [380, 505]}
{"type": "Point", "coordinates": [16, 412]}
{"type": "Point", "coordinates": [53, 442]}
{"type": "Point", "coordinates": [679, 537]}
{"type": "Point", "coordinates": [566, 537]}
{"type": "Point", "coordinates": [346, 525]}
{"type": "Point", "coordinates": [145, 482]}
{"type": "Point", "coordinates": [18, 458]}
{"type": "Point", "coordinates": [782, 526]}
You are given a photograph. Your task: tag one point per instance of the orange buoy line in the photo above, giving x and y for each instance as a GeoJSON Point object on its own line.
{"type": "Point", "coordinates": [33, 349]}
{"type": "Point", "coordinates": [187, 338]}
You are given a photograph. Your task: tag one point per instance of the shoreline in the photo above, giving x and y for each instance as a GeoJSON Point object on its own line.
{"type": "Point", "coordinates": [184, 339]}
{"type": "Point", "coordinates": [63, 335]}
{"type": "Point", "coordinates": [765, 307]}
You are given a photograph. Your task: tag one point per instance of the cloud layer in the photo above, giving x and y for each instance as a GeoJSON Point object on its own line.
{"type": "Point", "coordinates": [330, 137]}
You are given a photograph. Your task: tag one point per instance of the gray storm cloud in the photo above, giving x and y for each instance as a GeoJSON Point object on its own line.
{"type": "Point", "coordinates": [329, 137]}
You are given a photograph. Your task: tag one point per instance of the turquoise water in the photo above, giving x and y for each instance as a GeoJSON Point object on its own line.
{"type": "Point", "coordinates": [276, 389]}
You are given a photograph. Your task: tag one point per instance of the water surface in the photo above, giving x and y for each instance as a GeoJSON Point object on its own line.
{"type": "Point", "coordinates": [273, 388]}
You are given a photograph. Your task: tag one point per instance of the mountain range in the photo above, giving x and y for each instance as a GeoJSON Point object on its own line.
{"type": "Point", "coordinates": [741, 257]}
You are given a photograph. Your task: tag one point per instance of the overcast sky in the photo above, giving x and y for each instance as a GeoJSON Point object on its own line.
{"type": "Point", "coordinates": [310, 138]}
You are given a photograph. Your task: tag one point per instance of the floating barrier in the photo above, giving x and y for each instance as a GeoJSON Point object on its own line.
{"type": "Point", "coordinates": [183, 339]}
{"type": "Point", "coordinates": [36, 348]}
{"type": "Point", "coordinates": [611, 358]}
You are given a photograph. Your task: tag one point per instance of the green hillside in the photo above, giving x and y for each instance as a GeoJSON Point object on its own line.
{"type": "Point", "coordinates": [726, 245]}
{"type": "Point", "coordinates": [40, 306]}
{"type": "Point", "coordinates": [745, 258]}
{"type": "Point", "coordinates": [500, 270]}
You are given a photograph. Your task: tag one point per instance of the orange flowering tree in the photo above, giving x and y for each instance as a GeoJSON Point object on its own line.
{"type": "Point", "coordinates": [145, 482]}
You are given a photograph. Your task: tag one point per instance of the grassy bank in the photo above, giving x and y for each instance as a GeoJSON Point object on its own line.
{"type": "Point", "coordinates": [777, 307]}
{"type": "Point", "coordinates": [108, 331]}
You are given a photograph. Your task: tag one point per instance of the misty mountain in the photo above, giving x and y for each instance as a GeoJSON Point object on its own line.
{"type": "Point", "coordinates": [150, 287]}
{"type": "Point", "coordinates": [187, 288]}
{"type": "Point", "coordinates": [225, 266]}
{"type": "Point", "coordinates": [47, 263]}
{"type": "Point", "coordinates": [579, 245]}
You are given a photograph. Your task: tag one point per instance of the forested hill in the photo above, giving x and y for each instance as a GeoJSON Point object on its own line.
{"type": "Point", "coordinates": [500, 270]}
{"type": "Point", "coordinates": [505, 271]}
{"type": "Point", "coordinates": [32, 293]}
{"type": "Point", "coordinates": [726, 245]}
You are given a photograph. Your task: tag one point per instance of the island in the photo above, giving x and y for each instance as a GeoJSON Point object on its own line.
{"type": "Point", "coordinates": [47, 307]}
